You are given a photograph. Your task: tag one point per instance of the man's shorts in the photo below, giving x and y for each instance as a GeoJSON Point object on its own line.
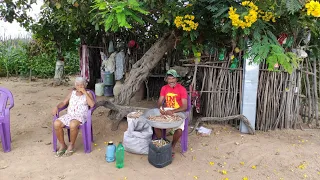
{"type": "Point", "coordinates": [182, 124]}
{"type": "Point", "coordinates": [180, 127]}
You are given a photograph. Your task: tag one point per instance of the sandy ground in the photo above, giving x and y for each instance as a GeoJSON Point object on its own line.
{"type": "Point", "coordinates": [288, 154]}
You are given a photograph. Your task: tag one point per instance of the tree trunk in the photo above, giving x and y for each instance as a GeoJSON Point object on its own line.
{"type": "Point", "coordinates": [59, 70]}
{"type": "Point", "coordinates": [140, 70]}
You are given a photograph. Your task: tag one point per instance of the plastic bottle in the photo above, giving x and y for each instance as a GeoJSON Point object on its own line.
{"type": "Point", "coordinates": [120, 156]}
{"type": "Point", "coordinates": [110, 152]}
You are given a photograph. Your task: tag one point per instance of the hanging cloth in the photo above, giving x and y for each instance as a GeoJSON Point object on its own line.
{"type": "Point", "coordinates": [84, 63]}
{"type": "Point", "coordinates": [120, 60]}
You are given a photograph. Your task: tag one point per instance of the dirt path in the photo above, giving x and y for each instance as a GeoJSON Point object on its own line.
{"type": "Point", "coordinates": [284, 154]}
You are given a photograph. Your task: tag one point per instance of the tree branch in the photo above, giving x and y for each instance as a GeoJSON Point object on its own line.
{"type": "Point", "coordinates": [220, 119]}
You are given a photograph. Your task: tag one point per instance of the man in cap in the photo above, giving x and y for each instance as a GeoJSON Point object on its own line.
{"type": "Point", "coordinates": [175, 96]}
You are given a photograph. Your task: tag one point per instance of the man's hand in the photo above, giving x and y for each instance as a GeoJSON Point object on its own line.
{"type": "Point", "coordinates": [55, 111]}
{"type": "Point", "coordinates": [162, 111]}
{"type": "Point", "coordinates": [169, 112]}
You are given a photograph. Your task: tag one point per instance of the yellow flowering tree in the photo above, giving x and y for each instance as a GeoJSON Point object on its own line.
{"type": "Point", "coordinates": [186, 22]}
{"type": "Point", "coordinates": [265, 30]}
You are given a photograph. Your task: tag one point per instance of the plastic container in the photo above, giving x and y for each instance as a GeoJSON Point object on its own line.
{"type": "Point", "coordinates": [110, 152]}
{"type": "Point", "coordinates": [120, 156]}
{"type": "Point", "coordinates": [107, 78]}
{"type": "Point", "coordinates": [162, 125]}
{"type": "Point", "coordinates": [108, 91]}
{"type": "Point", "coordinates": [160, 157]}
{"type": "Point", "coordinates": [99, 89]}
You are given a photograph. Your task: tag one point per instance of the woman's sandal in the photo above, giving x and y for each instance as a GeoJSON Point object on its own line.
{"type": "Point", "coordinates": [60, 152]}
{"type": "Point", "coordinates": [173, 153]}
{"type": "Point", "coordinates": [68, 153]}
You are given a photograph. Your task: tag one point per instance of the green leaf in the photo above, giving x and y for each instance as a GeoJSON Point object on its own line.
{"type": "Point", "coordinates": [119, 8]}
{"type": "Point", "coordinates": [161, 19]}
{"type": "Point", "coordinates": [293, 6]}
{"type": "Point", "coordinates": [58, 5]}
{"type": "Point", "coordinates": [246, 31]}
{"type": "Point", "coordinates": [96, 27]}
{"type": "Point", "coordinates": [102, 6]}
{"type": "Point", "coordinates": [219, 13]}
{"type": "Point", "coordinates": [108, 22]}
{"type": "Point", "coordinates": [273, 37]}
{"type": "Point", "coordinates": [168, 22]}
{"type": "Point", "coordinates": [140, 10]}
{"type": "Point", "coordinates": [134, 16]}
{"type": "Point", "coordinates": [212, 8]}
{"type": "Point", "coordinates": [121, 18]}
{"type": "Point", "coordinates": [256, 35]}
{"type": "Point", "coordinates": [133, 3]}
{"type": "Point", "coordinates": [226, 27]}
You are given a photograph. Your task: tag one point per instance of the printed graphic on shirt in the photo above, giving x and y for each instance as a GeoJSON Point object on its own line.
{"type": "Point", "coordinates": [171, 100]}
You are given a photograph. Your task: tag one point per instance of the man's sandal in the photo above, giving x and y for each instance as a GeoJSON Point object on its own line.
{"type": "Point", "coordinates": [173, 153]}
{"type": "Point", "coordinates": [60, 153]}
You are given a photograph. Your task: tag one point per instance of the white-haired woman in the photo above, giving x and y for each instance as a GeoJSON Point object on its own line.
{"type": "Point", "coordinates": [78, 101]}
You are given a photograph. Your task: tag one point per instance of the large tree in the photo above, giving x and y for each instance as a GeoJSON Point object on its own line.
{"type": "Point", "coordinates": [255, 28]}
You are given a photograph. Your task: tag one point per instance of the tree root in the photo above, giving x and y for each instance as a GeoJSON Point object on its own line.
{"type": "Point", "coordinates": [117, 113]}
{"type": "Point", "coordinates": [220, 119]}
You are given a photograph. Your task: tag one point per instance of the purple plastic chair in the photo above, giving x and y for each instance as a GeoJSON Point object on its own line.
{"type": "Point", "coordinates": [5, 132]}
{"type": "Point", "coordinates": [184, 137]}
{"type": "Point", "coordinates": [86, 129]}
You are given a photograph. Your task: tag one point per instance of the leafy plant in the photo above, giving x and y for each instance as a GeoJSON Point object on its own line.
{"type": "Point", "coordinates": [118, 14]}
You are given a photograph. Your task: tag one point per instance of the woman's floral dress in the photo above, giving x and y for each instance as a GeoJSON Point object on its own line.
{"type": "Point", "coordinates": [77, 109]}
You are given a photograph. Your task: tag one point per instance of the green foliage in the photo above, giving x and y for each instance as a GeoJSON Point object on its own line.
{"type": "Point", "coordinates": [266, 48]}
{"type": "Point", "coordinates": [63, 21]}
{"type": "Point", "coordinates": [293, 6]}
{"type": "Point", "coordinates": [11, 10]}
{"type": "Point", "coordinates": [118, 14]}
{"type": "Point", "coordinates": [19, 57]}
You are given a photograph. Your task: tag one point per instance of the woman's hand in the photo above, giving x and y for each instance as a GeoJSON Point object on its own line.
{"type": "Point", "coordinates": [83, 90]}
{"type": "Point", "coordinates": [55, 111]}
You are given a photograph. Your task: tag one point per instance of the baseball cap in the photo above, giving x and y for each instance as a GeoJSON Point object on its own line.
{"type": "Point", "coordinates": [173, 73]}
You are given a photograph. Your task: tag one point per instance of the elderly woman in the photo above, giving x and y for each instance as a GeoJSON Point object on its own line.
{"type": "Point", "coordinates": [78, 101]}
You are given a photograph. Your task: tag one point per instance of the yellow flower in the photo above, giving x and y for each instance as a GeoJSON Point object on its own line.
{"type": "Point", "coordinates": [249, 19]}
{"type": "Point", "coordinates": [186, 22]}
{"type": "Point", "coordinates": [245, 178]}
{"type": "Point", "coordinates": [254, 167]}
{"type": "Point", "coordinates": [242, 163]}
{"type": "Point", "coordinates": [224, 172]}
{"type": "Point", "coordinates": [313, 8]}
{"type": "Point", "coordinates": [211, 163]}
{"type": "Point", "coordinates": [302, 166]}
